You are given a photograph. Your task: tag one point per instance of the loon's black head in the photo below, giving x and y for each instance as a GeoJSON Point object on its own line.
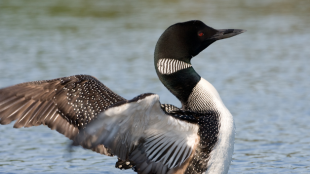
{"type": "Point", "coordinates": [182, 41]}
{"type": "Point", "coordinates": [175, 49]}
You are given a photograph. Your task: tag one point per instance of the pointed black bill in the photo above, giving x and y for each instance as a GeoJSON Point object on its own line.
{"type": "Point", "coordinates": [226, 33]}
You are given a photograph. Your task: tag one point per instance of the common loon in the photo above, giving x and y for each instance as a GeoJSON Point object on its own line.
{"type": "Point", "coordinates": [143, 133]}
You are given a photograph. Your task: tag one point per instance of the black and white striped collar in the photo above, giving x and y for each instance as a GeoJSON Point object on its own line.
{"type": "Point", "coordinates": [170, 66]}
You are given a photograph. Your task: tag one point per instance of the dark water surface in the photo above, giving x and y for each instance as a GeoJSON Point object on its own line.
{"type": "Point", "coordinates": [261, 75]}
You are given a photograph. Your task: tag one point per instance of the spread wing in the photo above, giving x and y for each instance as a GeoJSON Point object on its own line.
{"type": "Point", "coordinates": [140, 131]}
{"type": "Point", "coordinates": [66, 104]}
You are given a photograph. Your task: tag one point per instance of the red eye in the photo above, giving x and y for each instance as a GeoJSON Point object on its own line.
{"type": "Point", "coordinates": [200, 34]}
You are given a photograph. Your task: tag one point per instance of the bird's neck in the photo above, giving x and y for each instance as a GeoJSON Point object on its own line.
{"type": "Point", "coordinates": [179, 77]}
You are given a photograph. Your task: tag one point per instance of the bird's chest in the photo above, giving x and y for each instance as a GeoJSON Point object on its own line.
{"type": "Point", "coordinates": [208, 133]}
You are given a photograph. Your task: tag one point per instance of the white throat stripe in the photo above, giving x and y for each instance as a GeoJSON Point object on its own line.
{"type": "Point", "coordinates": [169, 66]}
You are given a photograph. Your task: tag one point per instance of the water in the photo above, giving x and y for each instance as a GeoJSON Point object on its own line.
{"type": "Point", "coordinates": [261, 75]}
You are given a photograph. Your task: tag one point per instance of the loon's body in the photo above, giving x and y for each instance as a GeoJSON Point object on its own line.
{"type": "Point", "coordinates": [144, 134]}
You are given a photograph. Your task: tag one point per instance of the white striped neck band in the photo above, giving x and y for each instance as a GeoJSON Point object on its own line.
{"type": "Point", "coordinates": [169, 66]}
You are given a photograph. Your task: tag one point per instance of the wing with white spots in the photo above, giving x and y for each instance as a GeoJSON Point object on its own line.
{"type": "Point", "coordinates": [66, 104]}
{"type": "Point", "coordinates": [141, 132]}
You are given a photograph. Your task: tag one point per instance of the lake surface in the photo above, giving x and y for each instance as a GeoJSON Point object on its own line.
{"type": "Point", "coordinates": [263, 75]}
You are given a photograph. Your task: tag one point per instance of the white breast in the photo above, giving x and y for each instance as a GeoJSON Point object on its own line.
{"type": "Point", "coordinates": [220, 157]}
{"type": "Point", "coordinates": [204, 96]}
